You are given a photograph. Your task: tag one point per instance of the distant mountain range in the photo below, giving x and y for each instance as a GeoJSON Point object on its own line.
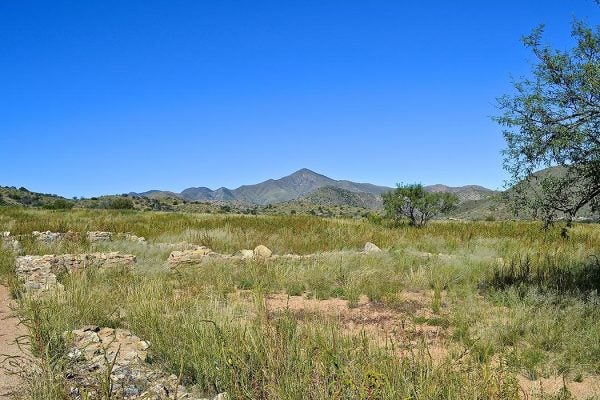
{"type": "Point", "coordinates": [303, 192]}
{"type": "Point", "coordinates": [309, 186]}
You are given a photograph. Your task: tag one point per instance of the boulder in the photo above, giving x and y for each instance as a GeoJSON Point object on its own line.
{"type": "Point", "coordinates": [371, 248]}
{"type": "Point", "coordinates": [262, 252]}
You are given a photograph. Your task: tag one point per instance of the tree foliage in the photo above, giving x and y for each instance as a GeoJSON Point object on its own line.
{"type": "Point", "coordinates": [415, 203]}
{"type": "Point", "coordinates": [553, 120]}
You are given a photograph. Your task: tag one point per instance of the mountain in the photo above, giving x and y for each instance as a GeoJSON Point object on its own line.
{"type": "Point", "coordinates": [331, 195]}
{"type": "Point", "coordinates": [291, 187]}
{"type": "Point", "coordinates": [464, 193]}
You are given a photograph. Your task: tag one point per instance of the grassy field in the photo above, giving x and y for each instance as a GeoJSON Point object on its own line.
{"type": "Point", "coordinates": [455, 310]}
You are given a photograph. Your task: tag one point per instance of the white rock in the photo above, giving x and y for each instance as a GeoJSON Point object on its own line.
{"type": "Point", "coordinates": [246, 254]}
{"type": "Point", "coordinates": [370, 248]}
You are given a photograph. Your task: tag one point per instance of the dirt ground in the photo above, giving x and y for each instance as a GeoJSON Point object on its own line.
{"type": "Point", "coordinates": [410, 325]}
{"type": "Point", "coordinates": [10, 330]}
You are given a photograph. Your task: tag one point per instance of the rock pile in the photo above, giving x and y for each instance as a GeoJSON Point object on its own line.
{"type": "Point", "coordinates": [99, 236]}
{"type": "Point", "coordinates": [9, 242]}
{"type": "Point", "coordinates": [199, 253]}
{"type": "Point", "coordinates": [132, 238]}
{"type": "Point", "coordinates": [192, 256]}
{"type": "Point", "coordinates": [49, 237]}
{"type": "Point", "coordinates": [94, 350]}
{"type": "Point", "coordinates": [39, 273]}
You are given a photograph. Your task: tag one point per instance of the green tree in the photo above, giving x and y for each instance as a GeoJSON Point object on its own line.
{"type": "Point", "coordinates": [553, 120]}
{"type": "Point", "coordinates": [415, 203]}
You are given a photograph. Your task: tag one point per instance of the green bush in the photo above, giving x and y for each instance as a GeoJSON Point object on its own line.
{"type": "Point", "coordinates": [121, 203]}
{"type": "Point", "coordinates": [60, 204]}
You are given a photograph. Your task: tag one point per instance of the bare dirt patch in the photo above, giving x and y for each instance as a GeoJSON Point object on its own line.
{"type": "Point", "coordinates": [588, 388]}
{"type": "Point", "coordinates": [10, 331]}
{"type": "Point", "coordinates": [408, 325]}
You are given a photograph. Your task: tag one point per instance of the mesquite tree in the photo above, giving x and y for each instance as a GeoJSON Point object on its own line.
{"type": "Point", "coordinates": [415, 203]}
{"type": "Point", "coordinates": [553, 120]}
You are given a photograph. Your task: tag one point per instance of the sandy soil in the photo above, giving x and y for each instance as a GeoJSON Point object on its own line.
{"type": "Point", "coordinates": [10, 330]}
{"type": "Point", "coordinates": [382, 324]}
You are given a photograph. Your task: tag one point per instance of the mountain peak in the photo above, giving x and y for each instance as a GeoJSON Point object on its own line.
{"type": "Point", "coordinates": [305, 171]}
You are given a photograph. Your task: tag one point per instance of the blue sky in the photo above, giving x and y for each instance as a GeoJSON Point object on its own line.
{"type": "Point", "coordinates": [116, 96]}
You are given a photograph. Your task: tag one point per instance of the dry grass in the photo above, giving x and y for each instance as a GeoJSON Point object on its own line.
{"type": "Point", "coordinates": [399, 324]}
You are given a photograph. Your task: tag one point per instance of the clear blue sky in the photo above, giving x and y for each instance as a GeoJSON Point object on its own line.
{"type": "Point", "coordinates": [101, 97]}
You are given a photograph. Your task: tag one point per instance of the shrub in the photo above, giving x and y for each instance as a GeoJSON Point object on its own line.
{"type": "Point", "coordinates": [121, 204]}
{"type": "Point", "coordinates": [59, 204]}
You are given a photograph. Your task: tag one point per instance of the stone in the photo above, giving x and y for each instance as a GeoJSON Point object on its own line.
{"type": "Point", "coordinates": [178, 257]}
{"type": "Point", "coordinates": [134, 238]}
{"type": "Point", "coordinates": [9, 242]}
{"type": "Point", "coordinates": [262, 252]}
{"type": "Point", "coordinates": [99, 236]}
{"type": "Point", "coordinates": [371, 248]}
{"type": "Point", "coordinates": [48, 237]}
{"type": "Point", "coordinates": [93, 349]}
{"type": "Point", "coordinates": [38, 274]}
{"type": "Point", "coordinates": [246, 254]}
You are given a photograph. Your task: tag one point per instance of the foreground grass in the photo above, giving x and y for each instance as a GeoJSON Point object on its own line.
{"type": "Point", "coordinates": [535, 313]}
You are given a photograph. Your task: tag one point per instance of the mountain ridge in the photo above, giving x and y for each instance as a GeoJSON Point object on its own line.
{"type": "Point", "coordinates": [289, 187]}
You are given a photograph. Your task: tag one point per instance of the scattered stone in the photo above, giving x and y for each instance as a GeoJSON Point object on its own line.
{"type": "Point", "coordinates": [39, 273]}
{"type": "Point", "coordinates": [49, 237]}
{"type": "Point", "coordinates": [178, 257]}
{"type": "Point", "coordinates": [371, 248]}
{"type": "Point", "coordinates": [262, 252]}
{"type": "Point", "coordinates": [9, 242]}
{"type": "Point", "coordinates": [98, 236]}
{"type": "Point", "coordinates": [94, 350]}
{"type": "Point", "coordinates": [134, 238]}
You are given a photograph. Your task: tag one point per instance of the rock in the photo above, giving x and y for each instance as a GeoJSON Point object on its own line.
{"type": "Point", "coordinates": [99, 236]}
{"type": "Point", "coordinates": [38, 274]}
{"type": "Point", "coordinates": [93, 349]}
{"type": "Point", "coordinates": [262, 252]}
{"type": "Point", "coordinates": [48, 237]}
{"type": "Point", "coordinates": [134, 238]}
{"type": "Point", "coordinates": [246, 254]}
{"type": "Point", "coordinates": [9, 242]}
{"type": "Point", "coordinates": [178, 257]}
{"type": "Point", "coordinates": [371, 248]}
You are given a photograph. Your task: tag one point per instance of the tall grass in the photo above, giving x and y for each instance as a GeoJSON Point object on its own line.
{"type": "Point", "coordinates": [534, 312]}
